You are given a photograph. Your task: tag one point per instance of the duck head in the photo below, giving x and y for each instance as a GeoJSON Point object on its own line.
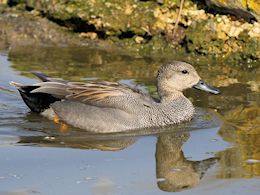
{"type": "Point", "coordinates": [174, 77]}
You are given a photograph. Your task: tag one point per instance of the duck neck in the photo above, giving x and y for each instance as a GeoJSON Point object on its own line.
{"type": "Point", "coordinates": [176, 107]}
{"type": "Point", "coordinates": [168, 96]}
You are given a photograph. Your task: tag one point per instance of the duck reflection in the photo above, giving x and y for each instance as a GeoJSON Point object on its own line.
{"type": "Point", "coordinates": [58, 134]}
{"type": "Point", "coordinates": [174, 172]}
{"type": "Point", "coordinates": [90, 142]}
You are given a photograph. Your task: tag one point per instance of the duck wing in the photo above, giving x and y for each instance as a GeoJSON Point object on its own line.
{"type": "Point", "coordinates": [84, 92]}
{"type": "Point", "coordinates": [100, 91]}
{"type": "Point", "coordinates": [103, 94]}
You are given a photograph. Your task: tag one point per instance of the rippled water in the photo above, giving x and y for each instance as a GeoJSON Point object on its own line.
{"type": "Point", "coordinates": [217, 152]}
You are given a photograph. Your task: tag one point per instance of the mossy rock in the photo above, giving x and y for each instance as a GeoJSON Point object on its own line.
{"type": "Point", "coordinates": [147, 26]}
{"type": "Point", "coordinates": [203, 39]}
{"type": "Point", "coordinates": [112, 16]}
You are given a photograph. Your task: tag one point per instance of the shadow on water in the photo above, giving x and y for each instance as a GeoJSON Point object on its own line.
{"type": "Point", "coordinates": [230, 138]}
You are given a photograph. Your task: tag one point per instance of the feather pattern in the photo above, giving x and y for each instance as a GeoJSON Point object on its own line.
{"type": "Point", "coordinates": [94, 92]}
{"type": "Point", "coordinates": [86, 92]}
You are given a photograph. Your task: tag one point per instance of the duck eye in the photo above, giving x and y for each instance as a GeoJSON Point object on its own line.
{"type": "Point", "coordinates": [184, 72]}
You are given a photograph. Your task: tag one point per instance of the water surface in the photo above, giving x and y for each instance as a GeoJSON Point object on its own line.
{"type": "Point", "coordinates": [217, 152]}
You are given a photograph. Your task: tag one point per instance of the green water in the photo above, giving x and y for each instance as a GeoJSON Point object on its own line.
{"type": "Point", "coordinates": [218, 152]}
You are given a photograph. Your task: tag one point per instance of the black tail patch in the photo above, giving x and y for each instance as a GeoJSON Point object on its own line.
{"type": "Point", "coordinates": [37, 102]}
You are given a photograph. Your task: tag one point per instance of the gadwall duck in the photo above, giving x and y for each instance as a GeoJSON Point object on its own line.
{"type": "Point", "coordinates": [112, 107]}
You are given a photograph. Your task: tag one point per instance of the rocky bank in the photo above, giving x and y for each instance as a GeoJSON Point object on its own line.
{"type": "Point", "coordinates": [223, 29]}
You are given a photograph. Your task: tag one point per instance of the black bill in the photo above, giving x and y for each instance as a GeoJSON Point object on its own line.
{"type": "Point", "coordinates": [205, 87]}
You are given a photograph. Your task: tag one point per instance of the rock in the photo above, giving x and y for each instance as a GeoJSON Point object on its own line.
{"type": "Point", "coordinates": [244, 9]}
{"type": "Point", "coordinates": [222, 36]}
{"type": "Point", "coordinates": [90, 35]}
{"type": "Point", "coordinates": [139, 39]}
{"type": "Point", "coordinates": [20, 28]}
{"type": "Point", "coordinates": [145, 27]}
{"type": "Point", "coordinates": [4, 2]}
